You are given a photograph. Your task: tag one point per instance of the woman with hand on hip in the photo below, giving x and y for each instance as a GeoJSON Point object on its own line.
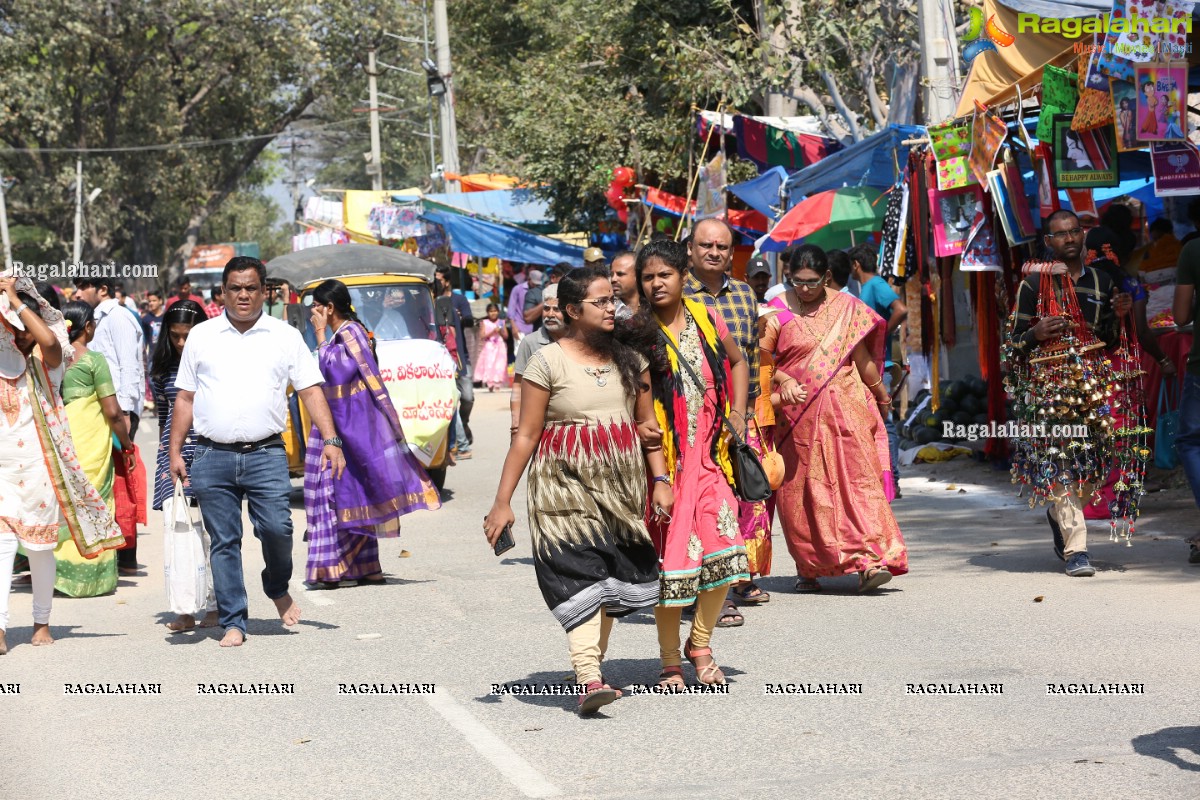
{"type": "Point", "coordinates": [41, 481]}
{"type": "Point", "coordinates": [383, 481]}
{"type": "Point", "coordinates": [701, 547]}
{"type": "Point", "coordinates": [587, 424]}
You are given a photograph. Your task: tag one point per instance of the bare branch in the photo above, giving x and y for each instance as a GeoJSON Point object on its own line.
{"type": "Point", "coordinates": [840, 105]}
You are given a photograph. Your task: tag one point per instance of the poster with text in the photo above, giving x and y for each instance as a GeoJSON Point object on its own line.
{"type": "Point", "coordinates": [1084, 158]}
{"type": "Point", "coordinates": [1176, 168]}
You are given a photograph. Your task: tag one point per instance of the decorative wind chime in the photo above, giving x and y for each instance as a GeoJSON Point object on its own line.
{"type": "Point", "coordinates": [1070, 385]}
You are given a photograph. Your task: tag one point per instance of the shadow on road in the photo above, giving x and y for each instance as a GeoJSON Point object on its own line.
{"type": "Point", "coordinates": [1167, 744]}
{"type": "Point", "coordinates": [18, 635]}
{"type": "Point", "coordinates": [1021, 562]}
{"type": "Point", "coordinates": [842, 587]}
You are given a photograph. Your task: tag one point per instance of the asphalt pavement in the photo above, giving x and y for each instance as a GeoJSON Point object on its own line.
{"type": "Point", "coordinates": [985, 606]}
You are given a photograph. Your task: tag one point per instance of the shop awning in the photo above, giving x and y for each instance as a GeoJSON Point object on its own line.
{"type": "Point", "coordinates": [874, 161]}
{"type": "Point", "coordinates": [516, 206]}
{"type": "Point", "coordinates": [356, 212]}
{"type": "Point", "coordinates": [478, 237]}
{"type": "Point", "coordinates": [761, 193]}
{"type": "Point", "coordinates": [483, 181]}
{"type": "Point", "coordinates": [750, 223]}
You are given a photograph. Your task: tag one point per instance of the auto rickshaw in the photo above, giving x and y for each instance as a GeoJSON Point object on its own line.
{"type": "Point", "coordinates": [392, 294]}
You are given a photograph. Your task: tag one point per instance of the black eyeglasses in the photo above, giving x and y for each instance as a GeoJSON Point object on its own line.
{"type": "Point", "coordinates": [1073, 232]}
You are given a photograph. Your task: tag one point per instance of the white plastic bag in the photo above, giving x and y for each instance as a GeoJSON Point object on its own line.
{"type": "Point", "coordinates": [184, 559]}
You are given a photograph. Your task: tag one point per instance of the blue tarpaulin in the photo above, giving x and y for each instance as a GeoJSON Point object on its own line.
{"type": "Point", "coordinates": [516, 206]}
{"type": "Point", "coordinates": [478, 237]}
{"type": "Point", "coordinates": [761, 193]}
{"type": "Point", "coordinates": [871, 162]}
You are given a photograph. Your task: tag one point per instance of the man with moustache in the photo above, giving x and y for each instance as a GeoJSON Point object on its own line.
{"type": "Point", "coordinates": [624, 281]}
{"type": "Point", "coordinates": [232, 382]}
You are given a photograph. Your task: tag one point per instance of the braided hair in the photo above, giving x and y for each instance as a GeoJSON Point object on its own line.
{"type": "Point", "coordinates": [334, 292]}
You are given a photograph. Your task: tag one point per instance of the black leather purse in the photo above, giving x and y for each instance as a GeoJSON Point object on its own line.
{"type": "Point", "coordinates": [749, 478]}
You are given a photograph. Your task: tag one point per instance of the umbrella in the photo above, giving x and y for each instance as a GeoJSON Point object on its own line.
{"type": "Point", "coordinates": [829, 219]}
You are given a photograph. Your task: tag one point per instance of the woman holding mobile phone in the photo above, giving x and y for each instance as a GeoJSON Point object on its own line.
{"type": "Point", "coordinates": [587, 425]}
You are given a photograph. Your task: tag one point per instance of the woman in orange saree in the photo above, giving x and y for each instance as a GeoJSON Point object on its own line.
{"type": "Point", "coordinates": [833, 504]}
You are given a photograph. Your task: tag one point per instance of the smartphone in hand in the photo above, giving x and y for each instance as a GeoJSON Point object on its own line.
{"type": "Point", "coordinates": [505, 542]}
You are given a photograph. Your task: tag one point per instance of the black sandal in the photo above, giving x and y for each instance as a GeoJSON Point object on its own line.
{"type": "Point", "coordinates": [750, 594]}
{"type": "Point", "coordinates": [313, 586]}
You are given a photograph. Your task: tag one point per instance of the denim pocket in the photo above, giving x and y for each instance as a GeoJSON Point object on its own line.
{"type": "Point", "coordinates": [199, 453]}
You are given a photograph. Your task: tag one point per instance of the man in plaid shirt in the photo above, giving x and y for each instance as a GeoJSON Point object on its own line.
{"type": "Point", "coordinates": [710, 250]}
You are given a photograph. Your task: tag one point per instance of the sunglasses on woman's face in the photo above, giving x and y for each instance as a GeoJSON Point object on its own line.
{"type": "Point", "coordinates": [807, 283]}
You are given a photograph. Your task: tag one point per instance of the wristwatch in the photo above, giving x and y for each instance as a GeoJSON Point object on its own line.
{"type": "Point", "coordinates": [336, 441]}
{"type": "Point", "coordinates": [662, 479]}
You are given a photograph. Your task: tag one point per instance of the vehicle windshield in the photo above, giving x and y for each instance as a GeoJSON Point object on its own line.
{"type": "Point", "coordinates": [391, 311]}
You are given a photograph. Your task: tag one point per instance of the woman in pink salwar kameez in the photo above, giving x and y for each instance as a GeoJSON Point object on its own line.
{"type": "Point", "coordinates": [833, 504]}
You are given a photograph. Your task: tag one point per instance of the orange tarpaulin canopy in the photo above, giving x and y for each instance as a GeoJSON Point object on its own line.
{"type": "Point", "coordinates": [995, 73]}
{"type": "Point", "coordinates": [483, 181]}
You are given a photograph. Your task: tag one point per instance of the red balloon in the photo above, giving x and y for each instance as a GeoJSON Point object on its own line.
{"type": "Point", "coordinates": [623, 176]}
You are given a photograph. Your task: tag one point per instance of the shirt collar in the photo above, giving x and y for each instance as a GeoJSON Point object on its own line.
{"type": "Point", "coordinates": [696, 285]}
{"type": "Point", "coordinates": [259, 324]}
{"type": "Point", "coordinates": [106, 306]}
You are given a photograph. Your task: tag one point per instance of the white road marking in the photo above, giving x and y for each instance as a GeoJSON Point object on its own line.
{"type": "Point", "coordinates": [317, 598]}
{"type": "Point", "coordinates": [520, 773]}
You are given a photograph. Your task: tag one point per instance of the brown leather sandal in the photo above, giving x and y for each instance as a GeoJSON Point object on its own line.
{"type": "Point", "coordinates": [709, 673]}
{"type": "Point", "coordinates": [671, 679]}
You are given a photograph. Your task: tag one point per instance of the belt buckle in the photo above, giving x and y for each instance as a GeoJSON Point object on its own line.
{"type": "Point", "coordinates": [246, 447]}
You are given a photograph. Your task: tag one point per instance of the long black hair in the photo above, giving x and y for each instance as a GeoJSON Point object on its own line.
{"type": "Point", "coordinates": [334, 292]}
{"type": "Point", "coordinates": [572, 289]}
{"type": "Point", "coordinates": [78, 314]}
{"type": "Point", "coordinates": [165, 359]}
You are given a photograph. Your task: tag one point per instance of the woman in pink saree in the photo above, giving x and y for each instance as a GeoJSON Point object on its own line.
{"type": "Point", "coordinates": [833, 504]}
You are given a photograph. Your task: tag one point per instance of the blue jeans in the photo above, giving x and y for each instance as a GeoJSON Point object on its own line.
{"type": "Point", "coordinates": [220, 480]}
{"type": "Point", "coordinates": [1187, 440]}
{"type": "Point", "coordinates": [466, 401]}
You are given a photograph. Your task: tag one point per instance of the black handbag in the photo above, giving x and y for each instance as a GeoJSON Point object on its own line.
{"type": "Point", "coordinates": [749, 478]}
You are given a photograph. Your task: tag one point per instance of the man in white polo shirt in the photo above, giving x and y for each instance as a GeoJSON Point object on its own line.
{"type": "Point", "coordinates": [232, 383]}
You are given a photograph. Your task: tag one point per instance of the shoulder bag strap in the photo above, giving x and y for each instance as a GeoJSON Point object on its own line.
{"type": "Point", "coordinates": [700, 384]}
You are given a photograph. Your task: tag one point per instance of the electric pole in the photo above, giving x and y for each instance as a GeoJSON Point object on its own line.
{"type": "Point", "coordinates": [441, 35]}
{"type": "Point", "coordinates": [4, 229]}
{"type": "Point", "coordinates": [375, 168]}
{"type": "Point", "coordinates": [78, 249]}
{"type": "Point", "coordinates": [940, 78]}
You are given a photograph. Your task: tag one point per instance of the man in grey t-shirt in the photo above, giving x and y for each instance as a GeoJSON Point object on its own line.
{"type": "Point", "coordinates": [552, 328]}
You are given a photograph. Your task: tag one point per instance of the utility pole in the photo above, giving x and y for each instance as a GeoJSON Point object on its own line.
{"type": "Point", "coordinates": [4, 229]}
{"type": "Point", "coordinates": [375, 168]}
{"type": "Point", "coordinates": [939, 60]}
{"type": "Point", "coordinates": [432, 110]}
{"type": "Point", "coordinates": [441, 35]}
{"type": "Point", "coordinates": [78, 250]}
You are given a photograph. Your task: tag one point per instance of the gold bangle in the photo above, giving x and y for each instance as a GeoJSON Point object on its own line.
{"type": "Point", "coordinates": [876, 383]}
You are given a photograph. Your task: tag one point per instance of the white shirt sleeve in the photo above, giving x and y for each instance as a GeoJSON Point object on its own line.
{"type": "Point", "coordinates": [119, 340]}
{"type": "Point", "coordinates": [303, 370]}
{"type": "Point", "coordinates": [185, 377]}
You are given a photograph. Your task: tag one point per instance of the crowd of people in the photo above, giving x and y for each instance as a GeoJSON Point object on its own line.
{"type": "Point", "coordinates": [72, 486]}
{"type": "Point", "coordinates": [626, 404]}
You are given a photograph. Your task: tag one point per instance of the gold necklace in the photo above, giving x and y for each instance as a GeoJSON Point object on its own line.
{"type": "Point", "coordinates": [804, 316]}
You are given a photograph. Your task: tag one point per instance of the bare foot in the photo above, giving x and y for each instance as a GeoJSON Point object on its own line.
{"type": "Point", "coordinates": [288, 610]}
{"type": "Point", "coordinates": [3, 644]}
{"type": "Point", "coordinates": [41, 635]}
{"type": "Point", "coordinates": [181, 623]}
{"type": "Point", "coordinates": [233, 638]}
{"type": "Point", "coordinates": [210, 620]}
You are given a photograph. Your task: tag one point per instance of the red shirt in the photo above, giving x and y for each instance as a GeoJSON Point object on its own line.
{"type": "Point", "coordinates": [194, 298]}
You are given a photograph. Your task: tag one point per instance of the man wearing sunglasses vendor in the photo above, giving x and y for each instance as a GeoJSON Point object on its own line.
{"type": "Point", "coordinates": [1100, 303]}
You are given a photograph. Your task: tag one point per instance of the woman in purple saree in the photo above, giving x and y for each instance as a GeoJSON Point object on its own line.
{"type": "Point", "coordinates": [383, 479]}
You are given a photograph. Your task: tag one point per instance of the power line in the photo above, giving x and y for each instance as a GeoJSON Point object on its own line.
{"type": "Point", "coordinates": [191, 145]}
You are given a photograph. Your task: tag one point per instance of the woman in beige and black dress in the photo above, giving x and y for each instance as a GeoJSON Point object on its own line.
{"type": "Point", "coordinates": [586, 420]}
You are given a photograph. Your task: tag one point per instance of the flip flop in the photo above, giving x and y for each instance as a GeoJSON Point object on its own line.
{"type": "Point", "coordinates": [597, 696]}
{"type": "Point", "coordinates": [807, 586]}
{"type": "Point", "coordinates": [730, 612]}
{"type": "Point", "coordinates": [873, 578]}
{"type": "Point", "coordinates": [751, 595]}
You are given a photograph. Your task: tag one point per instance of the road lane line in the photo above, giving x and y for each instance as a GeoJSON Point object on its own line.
{"type": "Point", "coordinates": [519, 772]}
{"type": "Point", "coordinates": [317, 598]}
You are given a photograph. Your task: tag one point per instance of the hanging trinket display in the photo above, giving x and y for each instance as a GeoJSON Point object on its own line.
{"type": "Point", "coordinates": [1083, 408]}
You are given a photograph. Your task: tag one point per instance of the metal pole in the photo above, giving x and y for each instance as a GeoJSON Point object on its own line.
{"type": "Point", "coordinates": [432, 109]}
{"type": "Point", "coordinates": [441, 35]}
{"type": "Point", "coordinates": [4, 229]}
{"type": "Point", "coordinates": [78, 250]}
{"type": "Point", "coordinates": [376, 167]}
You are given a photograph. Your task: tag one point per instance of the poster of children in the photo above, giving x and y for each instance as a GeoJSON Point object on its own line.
{"type": "Point", "coordinates": [1160, 95]}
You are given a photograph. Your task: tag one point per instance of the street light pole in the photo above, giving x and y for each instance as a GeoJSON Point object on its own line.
{"type": "Point", "coordinates": [4, 229]}
{"type": "Point", "coordinates": [375, 168]}
{"type": "Point", "coordinates": [441, 35]}
{"type": "Point", "coordinates": [939, 59]}
{"type": "Point", "coordinates": [78, 250]}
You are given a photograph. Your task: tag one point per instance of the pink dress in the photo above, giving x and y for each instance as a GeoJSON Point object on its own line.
{"type": "Point", "coordinates": [491, 368]}
{"type": "Point", "coordinates": [702, 547]}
